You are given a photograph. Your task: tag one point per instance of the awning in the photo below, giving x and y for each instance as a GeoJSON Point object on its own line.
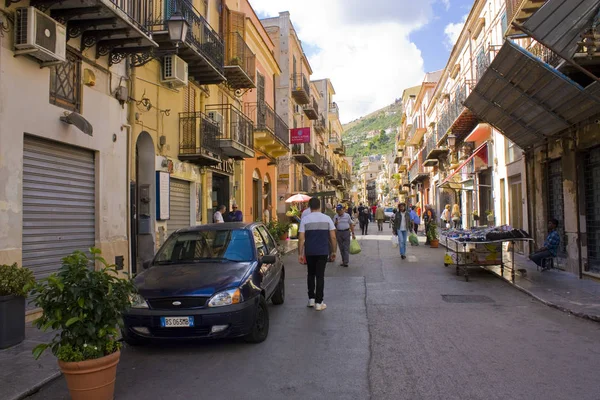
{"type": "Point", "coordinates": [481, 152]}
{"type": "Point", "coordinates": [526, 99]}
{"type": "Point", "coordinates": [481, 132]}
{"type": "Point", "coordinates": [559, 23]}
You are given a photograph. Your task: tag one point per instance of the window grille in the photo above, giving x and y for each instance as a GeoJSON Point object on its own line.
{"type": "Point", "coordinates": [65, 83]}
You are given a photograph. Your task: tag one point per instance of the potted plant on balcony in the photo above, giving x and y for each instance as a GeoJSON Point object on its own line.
{"type": "Point", "coordinates": [235, 60]}
{"type": "Point", "coordinates": [433, 235]}
{"type": "Point", "coordinates": [14, 284]}
{"type": "Point", "coordinates": [84, 304]}
{"type": "Point", "coordinates": [490, 216]}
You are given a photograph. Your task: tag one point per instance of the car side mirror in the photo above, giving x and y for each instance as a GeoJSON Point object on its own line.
{"type": "Point", "coordinates": [269, 259]}
{"type": "Point", "coordinates": [146, 264]}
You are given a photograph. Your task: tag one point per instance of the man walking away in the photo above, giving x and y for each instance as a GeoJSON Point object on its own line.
{"type": "Point", "coordinates": [551, 244]}
{"type": "Point", "coordinates": [373, 210]}
{"type": "Point", "coordinates": [401, 227]}
{"type": "Point", "coordinates": [363, 220]}
{"type": "Point", "coordinates": [316, 245]}
{"type": "Point", "coordinates": [415, 219]}
{"type": "Point", "coordinates": [379, 216]}
{"type": "Point", "coordinates": [218, 215]}
{"type": "Point", "coordinates": [344, 228]}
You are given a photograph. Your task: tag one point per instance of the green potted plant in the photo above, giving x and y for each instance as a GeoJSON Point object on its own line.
{"type": "Point", "coordinates": [475, 215]}
{"type": "Point", "coordinates": [84, 304]}
{"type": "Point", "coordinates": [14, 284]}
{"type": "Point", "coordinates": [433, 235]}
{"type": "Point", "coordinates": [284, 228]}
{"type": "Point", "coordinates": [490, 216]}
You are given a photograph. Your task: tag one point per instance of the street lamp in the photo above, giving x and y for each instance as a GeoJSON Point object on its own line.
{"type": "Point", "coordinates": [451, 139]}
{"type": "Point", "coordinates": [178, 28]}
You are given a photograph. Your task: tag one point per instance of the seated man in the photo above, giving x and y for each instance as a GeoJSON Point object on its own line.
{"type": "Point", "coordinates": [551, 243]}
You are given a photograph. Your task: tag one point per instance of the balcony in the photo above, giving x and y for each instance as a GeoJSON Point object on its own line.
{"type": "Point", "coordinates": [433, 152]}
{"type": "Point", "coordinates": [198, 139]}
{"type": "Point", "coordinates": [116, 27]}
{"type": "Point", "coordinates": [303, 153]}
{"type": "Point", "coordinates": [336, 179]}
{"type": "Point", "coordinates": [455, 117]}
{"type": "Point", "coordinates": [334, 110]}
{"type": "Point", "coordinates": [316, 164]}
{"type": "Point", "coordinates": [327, 169]}
{"type": "Point", "coordinates": [340, 150]}
{"type": "Point", "coordinates": [236, 132]}
{"type": "Point", "coordinates": [545, 54]}
{"type": "Point", "coordinates": [320, 125]}
{"type": "Point", "coordinates": [417, 172]}
{"type": "Point", "coordinates": [240, 64]}
{"type": "Point", "coordinates": [300, 89]}
{"type": "Point", "coordinates": [203, 49]}
{"type": "Point", "coordinates": [312, 110]}
{"type": "Point", "coordinates": [485, 56]}
{"type": "Point", "coordinates": [271, 133]}
{"type": "Point", "coordinates": [519, 11]}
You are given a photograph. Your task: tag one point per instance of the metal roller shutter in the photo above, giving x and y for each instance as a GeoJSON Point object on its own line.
{"type": "Point", "coordinates": [58, 203]}
{"type": "Point", "coordinates": [180, 205]}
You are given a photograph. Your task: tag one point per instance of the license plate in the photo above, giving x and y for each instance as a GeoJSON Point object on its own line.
{"type": "Point", "coordinates": [176, 322]}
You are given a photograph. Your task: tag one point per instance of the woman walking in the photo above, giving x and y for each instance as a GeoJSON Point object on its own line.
{"type": "Point", "coordinates": [402, 225]}
{"type": "Point", "coordinates": [363, 220]}
{"type": "Point", "coordinates": [415, 219]}
{"type": "Point", "coordinates": [456, 216]}
{"type": "Point", "coordinates": [446, 216]}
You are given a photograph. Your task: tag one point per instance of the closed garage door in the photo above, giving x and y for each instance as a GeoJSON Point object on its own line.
{"type": "Point", "coordinates": [58, 203]}
{"type": "Point", "coordinates": [180, 205]}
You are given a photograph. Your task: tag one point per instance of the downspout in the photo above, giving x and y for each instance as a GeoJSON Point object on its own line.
{"type": "Point", "coordinates": [530, 193]}
{"type": "Point", "coordinates": [577, 199]}
{"type": "Point", "coordinates": [130, 158]}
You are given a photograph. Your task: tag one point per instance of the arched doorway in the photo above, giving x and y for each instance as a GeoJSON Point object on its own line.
{"type": "Point", "coordinates": [143, 202]}
{"type": "Point", "coordinates": [256, 195]}
{"type": "Point", "coordinates": [267, 194]}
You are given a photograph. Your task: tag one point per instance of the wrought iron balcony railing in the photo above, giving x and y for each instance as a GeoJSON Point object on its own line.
{"type": "Point", "coordinates": [312, 109]}
{"type": "Point", "coordinates": [265, 117]}
{"type": "Point", "coordinates": [334, 109]}
{"type": "Point", "coordinates": [303, 153]}
{"type": "Point", "coordinates": [544, 54]}
{"type": "Point", "coordinates": [235, 128]}
{"type": "Point", "coordinates": [320, 125]}
{"type": "Point", "coordinates": [282, 131]}
{"type": "Point", "coordinates": [300, 89]}
{"type": "Point", "coordinates": [484, 59]}
{"type": "Point", "coordinates": [201, 36]}
{"type": "Point", "coordinates": [198, 138]}
{"type": "Point", "coordinates": [452, 111]}
{"type": "Point", "coordinates": [240, 64]}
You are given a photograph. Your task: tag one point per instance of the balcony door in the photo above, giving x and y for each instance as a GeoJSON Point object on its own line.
{"type": "Point", "coordinates": [189, 127]}
{"type": "Point", "coordinates": [260, 99]}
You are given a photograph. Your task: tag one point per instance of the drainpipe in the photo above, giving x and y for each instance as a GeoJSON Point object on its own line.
{"type": "Point", "coordinates": [577, 170]}
{"type": "Point", "coordinates": [530, 196]}
{"type": "Point", "coordinates": [128, 126]}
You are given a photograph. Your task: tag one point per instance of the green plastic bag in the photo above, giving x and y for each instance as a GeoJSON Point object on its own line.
{"type": "Point", "coordinates": [354, 247]}
{"type": "Point", "coordinates": [413, 239]}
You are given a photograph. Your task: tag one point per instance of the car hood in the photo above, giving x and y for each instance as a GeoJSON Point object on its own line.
{"type": "Point", "coordinates": [198, 279]}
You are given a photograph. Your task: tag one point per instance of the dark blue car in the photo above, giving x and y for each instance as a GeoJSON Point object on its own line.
{"type": "Point", "coordinates": [209, 281]}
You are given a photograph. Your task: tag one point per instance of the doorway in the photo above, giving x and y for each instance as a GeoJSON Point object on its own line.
{"type": "Point", "coordinates": [485, 196]}
{"type": "Point", "coordinates": [220, 192]}
{"type": "Point", "coordinates": [516, 206]}
{"type": "Point", "coordinates": [556, 205]}
{"type": "Point", "coordinates": [256, 195]}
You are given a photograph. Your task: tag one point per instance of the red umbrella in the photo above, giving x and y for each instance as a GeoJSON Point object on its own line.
{"type": "Point", "coordinates": [298, 198]}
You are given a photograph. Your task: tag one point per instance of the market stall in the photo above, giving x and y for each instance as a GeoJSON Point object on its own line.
{"type": "Point", "coordinates": [481, 247]}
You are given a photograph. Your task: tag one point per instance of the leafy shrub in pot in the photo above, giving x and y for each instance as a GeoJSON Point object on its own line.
{"type": "Point", "coordinates": [14, 285]}
{"type": "Point", "coordinates": [84, 305]}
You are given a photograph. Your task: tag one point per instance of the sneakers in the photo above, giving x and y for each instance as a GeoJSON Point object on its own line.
{"type": "Point", "coordinates": [403, 257]}
{"type": "Point", "coordinates": [320, 306]}
{"type": "Point", "coordinates": [311, 303]}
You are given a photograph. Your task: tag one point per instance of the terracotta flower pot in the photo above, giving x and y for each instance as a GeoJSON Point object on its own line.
{"type": "Point", "coordinates": [434, 243]}
{"type": "Point", "coordinates": [91, 379]}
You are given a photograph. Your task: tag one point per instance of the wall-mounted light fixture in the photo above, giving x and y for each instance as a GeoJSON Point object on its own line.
{"type": "Point", "coordinates": [178, 28]}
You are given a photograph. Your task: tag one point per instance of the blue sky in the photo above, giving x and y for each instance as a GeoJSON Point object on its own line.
{"type": "Point", "coordinates": [372, 50]}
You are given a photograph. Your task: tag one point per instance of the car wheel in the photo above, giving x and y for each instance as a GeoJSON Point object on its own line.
{"type": "Point", "coordinates": [279, 295]}
{"type": "Point", "coordinates": [131, 339]}
{"type": "Point", "coordinates": [260, 328]}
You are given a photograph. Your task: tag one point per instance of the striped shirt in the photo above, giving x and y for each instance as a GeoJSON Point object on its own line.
{"type": "Point", "coordinates": [316, 227]}
{"type": "Point", "coordinates": [343, 221]}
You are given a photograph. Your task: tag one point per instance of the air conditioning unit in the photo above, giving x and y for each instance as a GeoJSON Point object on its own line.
{"type": "Point", "coordinates": [174, 71]}
{"type": "Point", "coordinates": [217, 117]}
{"type": "Point", "coordinates": [39, 36]}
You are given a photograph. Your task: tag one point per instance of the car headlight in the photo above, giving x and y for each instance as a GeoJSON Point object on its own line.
{"type": "Point", "coordinates": [226, 298]}
{"type": "Point", "coordinates": [138, 301]}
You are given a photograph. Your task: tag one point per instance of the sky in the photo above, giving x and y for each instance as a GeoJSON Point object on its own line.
{"type": "Point", "coordinates": [372, 50]}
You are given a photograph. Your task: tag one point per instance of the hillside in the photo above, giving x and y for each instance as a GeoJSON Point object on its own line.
{"type": "Point", "coordinates": [374, 133]}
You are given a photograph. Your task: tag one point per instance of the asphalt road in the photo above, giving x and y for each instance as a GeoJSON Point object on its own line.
{"type": "Point", "coordinates": [393, 329]}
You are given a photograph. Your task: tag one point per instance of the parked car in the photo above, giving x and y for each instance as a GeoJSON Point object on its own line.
{"type": "Point", "coordinates": [388, 211]}
{"type": "Point", "coordinates": [209, 281]}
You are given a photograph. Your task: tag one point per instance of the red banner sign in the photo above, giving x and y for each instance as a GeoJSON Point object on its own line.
{"type": "Point", "coordinates": [299, 135]}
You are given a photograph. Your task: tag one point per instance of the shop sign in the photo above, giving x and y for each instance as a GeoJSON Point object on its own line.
{"type": "Point", "coordinates": [162, 195]}
{"type": "Point", "coordinates": [225, 166]}
{"type": "Point", "coordinates": [299, 135]}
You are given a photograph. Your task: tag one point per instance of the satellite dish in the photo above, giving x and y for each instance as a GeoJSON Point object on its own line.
{"type": "Point", "coordinates": [81, 123]}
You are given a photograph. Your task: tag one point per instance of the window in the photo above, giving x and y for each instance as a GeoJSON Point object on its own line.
{"type": "Point", "coordinates": [191, 247]}
{"type": "Point", "coordinates": [268, 239]}
{"type": "Point", "coordinates": [65, 83]}
{"type": "Point", "coordinates": [261, 246]}
{"type": "Point", "coordinates": [512, 151]}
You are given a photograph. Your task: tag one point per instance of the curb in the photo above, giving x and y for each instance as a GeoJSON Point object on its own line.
{"type": "Point", "coordinates": [583, 315]}
{"type": "Point", "coordinates": [37, 387]}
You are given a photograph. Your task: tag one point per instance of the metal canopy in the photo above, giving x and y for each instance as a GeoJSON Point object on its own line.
{"type": "Point", "coordinates": [558, 23]}
{"type": "Point", "coordinates": [527, 100]}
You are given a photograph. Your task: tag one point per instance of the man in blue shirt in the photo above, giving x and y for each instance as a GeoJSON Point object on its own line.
{"type": "Point", "coordinates": [551, 244]}
{"type": "Point", "coordinates": [317, 244]}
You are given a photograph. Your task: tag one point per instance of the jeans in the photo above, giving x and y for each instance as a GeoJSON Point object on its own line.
{"type": "Point", "coordinates": [316, 271]}
{"type": "Point", "coordinates": [538, 256]}
{"type": "Point", "coordinates": [380, 224]}
{"type": "Point", "coordinates": [402, 235]}
{"type": "Point", "coordinates": [343, 239]}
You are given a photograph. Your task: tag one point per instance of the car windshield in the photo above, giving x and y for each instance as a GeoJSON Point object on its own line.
{"type": "Point", "coordinates": [389, 209]}
{"type": "Point", "coordinates": [234, 245]}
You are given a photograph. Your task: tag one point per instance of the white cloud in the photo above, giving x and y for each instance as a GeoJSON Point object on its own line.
{"type": "Point", "coordinates": [452, 31]}
{"type": "Point", "coordinates": [363, 47]}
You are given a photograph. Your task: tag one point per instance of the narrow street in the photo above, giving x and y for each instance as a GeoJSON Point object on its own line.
{"type": "Point", "coordinates": [388, 333]}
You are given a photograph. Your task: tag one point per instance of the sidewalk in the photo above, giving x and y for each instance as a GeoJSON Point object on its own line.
{"type": "Point", "coordinates": [20, 373]}
{"type": "Point", "coordinates": [288, 246]}
{"type": "Point", "coordinates": [556, 288]}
